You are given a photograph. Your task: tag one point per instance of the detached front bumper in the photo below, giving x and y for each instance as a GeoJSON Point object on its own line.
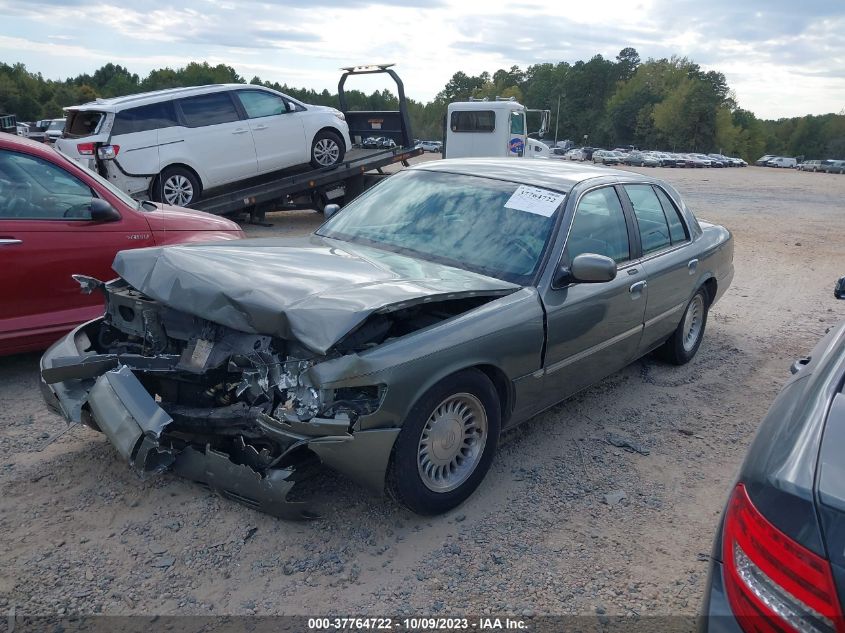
{"type": "Point", "coordinates": [101, 391]}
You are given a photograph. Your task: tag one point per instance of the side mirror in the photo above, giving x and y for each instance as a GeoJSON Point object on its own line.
{"type": "Point", "coordinates": [330, 209]}
{"type": "Point", "coordinates": [839, 289]}
{"type": "Point", "coordinates": [587, 268]}
{"type": "Point", "coordinates": [102, 211]}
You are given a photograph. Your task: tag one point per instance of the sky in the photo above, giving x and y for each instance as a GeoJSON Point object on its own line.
{"type": "Point", "coordinates": [781, 57]}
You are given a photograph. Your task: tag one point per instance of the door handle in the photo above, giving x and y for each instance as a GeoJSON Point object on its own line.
{"type": "Point", "coordinates": [637, 288]}
{"type": "Point", "coordinates": [240, 130]}
{"type": "Point", "coordinates": [692, 265]}
{"type": "Point", "coordinates": [260, 127]}
{"type": "Point", "coordinates": [9, 241]}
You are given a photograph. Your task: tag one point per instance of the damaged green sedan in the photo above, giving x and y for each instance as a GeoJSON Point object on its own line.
{"type": "Point", "coordinates": [451, 301]}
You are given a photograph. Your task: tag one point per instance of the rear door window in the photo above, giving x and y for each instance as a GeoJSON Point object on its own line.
{"type": "Point", "coordinates": [677, 231]}
{"type": "Point", "coordinates": [83, 123]}
{"type": "Point", "coordinates": [210, 109]}
{"type": "Point", "coordinates": [654, 229]}
{"type": "Point", "coordinates": [144, 118]}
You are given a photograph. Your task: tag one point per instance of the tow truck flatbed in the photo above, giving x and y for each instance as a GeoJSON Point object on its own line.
{"type": "Point", "coordinates": [306, 187]}
{"type": "Point", "coordinates": [315, 186]}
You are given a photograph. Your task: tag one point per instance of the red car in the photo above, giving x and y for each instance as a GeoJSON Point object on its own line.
{"type": "Point", "coordinates": [58, 219]}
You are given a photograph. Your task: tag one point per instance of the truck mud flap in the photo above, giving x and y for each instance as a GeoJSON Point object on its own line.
{"type": "Point", "coordinates": [241, 483]}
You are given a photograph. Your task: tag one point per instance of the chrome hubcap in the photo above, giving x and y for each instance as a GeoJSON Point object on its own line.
{"type": "Point", "coordinates": [452, 442]}
{"type": "Point", "coordinates": [178, 191]}
{"type": "Point", "coordinates": [693, 321]}
{"type": "Point", "coordinates": [326, 152]}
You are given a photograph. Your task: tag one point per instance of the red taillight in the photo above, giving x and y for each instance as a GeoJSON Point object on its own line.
{"type": "Point", "coordinates": [772, 582]}
{"type": "Point", "coordinates": [85, 149]}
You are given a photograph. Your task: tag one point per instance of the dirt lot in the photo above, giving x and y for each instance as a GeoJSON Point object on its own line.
{"type": "Point", "coordinates": [81, 534]}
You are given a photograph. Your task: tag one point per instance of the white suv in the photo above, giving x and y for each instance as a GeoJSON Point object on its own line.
{"type": "Point", "coordinates": [172, 145]}
{"type": "Point", "coordinates": [431, 146]}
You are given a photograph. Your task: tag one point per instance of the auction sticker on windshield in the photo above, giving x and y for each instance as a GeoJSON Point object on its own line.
{"type": "Point", "coordinates": [535, 200]}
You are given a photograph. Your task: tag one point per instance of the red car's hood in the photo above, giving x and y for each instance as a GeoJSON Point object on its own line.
{"type": "Point", "coordinates": [167, 218]}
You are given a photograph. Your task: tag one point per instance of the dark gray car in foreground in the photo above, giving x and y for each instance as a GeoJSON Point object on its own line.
{"type": "Point", "coordinates": [778, 562]}
{"type": "Point", "coordinates": [453, 300]}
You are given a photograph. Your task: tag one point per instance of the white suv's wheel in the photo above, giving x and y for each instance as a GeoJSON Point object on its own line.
{"type": "Point", "coordinates": [176, 186]}
{"type": "Point", "coordinates": [326, 150]}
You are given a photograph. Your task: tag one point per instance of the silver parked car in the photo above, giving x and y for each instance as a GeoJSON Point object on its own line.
{"type": "Point", "coordinates": [395, 343]}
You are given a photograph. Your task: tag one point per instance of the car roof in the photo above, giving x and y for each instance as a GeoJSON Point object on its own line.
{"type": "Point", "coordinates": [550, 174]}
{"type": "Point", "coordinates": [115, 104]}
{"type": "Point", "coordinates": [15, 142]}
{"type": "Point", "coordinates": [485, 105]}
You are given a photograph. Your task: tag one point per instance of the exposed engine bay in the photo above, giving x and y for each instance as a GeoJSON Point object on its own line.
{"type": "Point", "coordinates": [239, 412]}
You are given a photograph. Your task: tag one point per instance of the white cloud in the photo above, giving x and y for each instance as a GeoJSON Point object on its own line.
{"type": "Point", "coordinates": [786, 58]}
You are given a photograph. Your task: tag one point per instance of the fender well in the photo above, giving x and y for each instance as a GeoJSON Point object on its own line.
{"type": "Point", "coordinates": [155, 181]}
{"type": "Point", "coordinates": [333, 130]}
{"type": "Point", "coordinates": [711, 287]}
{"type": "Point", "coordinates": [504, 389]}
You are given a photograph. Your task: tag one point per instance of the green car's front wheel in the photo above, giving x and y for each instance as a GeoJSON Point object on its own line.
{"type": "Point", "coordinates": [446, 444]}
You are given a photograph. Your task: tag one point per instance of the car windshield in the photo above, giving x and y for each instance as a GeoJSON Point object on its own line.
{"type": "Point", "coordinates": [492, 227]}
{"type": "Point", "coordinates": [56, 125]}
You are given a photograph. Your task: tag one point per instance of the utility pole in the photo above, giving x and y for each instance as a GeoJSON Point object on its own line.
{"type": "Point", "coordinates": [557, 118]}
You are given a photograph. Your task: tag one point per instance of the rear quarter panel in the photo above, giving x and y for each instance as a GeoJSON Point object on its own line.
{"type": "Point", "coordinates": [139, 153]}
{"type": "Point", "coordinates": [715, 255]}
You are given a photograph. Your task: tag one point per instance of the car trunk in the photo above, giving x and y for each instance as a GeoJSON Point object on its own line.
{"type": "Point", "coordinates": [84, 131]}
{"type": "Point", "coordinates": [794, 471]}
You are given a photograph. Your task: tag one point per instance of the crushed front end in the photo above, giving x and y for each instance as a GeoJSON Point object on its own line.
{"type": "Point", "coordinates": [238, 412]}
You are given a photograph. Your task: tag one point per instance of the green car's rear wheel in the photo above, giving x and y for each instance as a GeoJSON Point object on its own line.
{"type": "Point", "coordinates": [446, 444]}
{"type": "Point", "coordinates": [685, 341]}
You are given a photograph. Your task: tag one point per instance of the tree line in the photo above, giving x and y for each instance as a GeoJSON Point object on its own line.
{"type": "Point", "coordinates": [669, 104]}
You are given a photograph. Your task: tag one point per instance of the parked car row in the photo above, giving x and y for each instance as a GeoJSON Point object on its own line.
{"type": "Point", "coordinates": [650, 158]}
{"type": "Point", "coordinates": [45, 130]}
{"type": "Point", "coordinates": [378, 142]}
{"type": "Point", "coordinates": [827, 166]}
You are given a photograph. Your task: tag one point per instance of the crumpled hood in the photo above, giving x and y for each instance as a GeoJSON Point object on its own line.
{"type": "Point", "coordinates": [314, 290]}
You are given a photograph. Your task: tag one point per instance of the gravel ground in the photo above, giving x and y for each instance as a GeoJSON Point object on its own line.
{"type": "Point", "coordinates": [565, 522]}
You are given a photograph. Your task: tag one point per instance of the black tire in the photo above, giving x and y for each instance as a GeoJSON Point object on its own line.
{"type": "Point", "coordinates": [405, 482]}
{"type": "Point", "coordinates": [327, 149]}
{"type": "Point", "coordinates": [172, 184]}
{"type": "Point", "coordinates": [679, 350]}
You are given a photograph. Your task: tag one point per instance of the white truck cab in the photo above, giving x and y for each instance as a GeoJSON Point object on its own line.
{"type": "Point", "coordinates": [492, 128]}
